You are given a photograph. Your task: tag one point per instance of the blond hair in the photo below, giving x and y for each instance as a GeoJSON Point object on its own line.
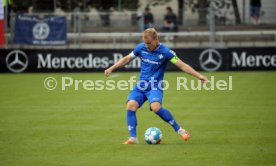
{"type": "Point", "coordinates": [151, 32]}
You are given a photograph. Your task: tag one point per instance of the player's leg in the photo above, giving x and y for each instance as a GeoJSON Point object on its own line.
{"type": "Point", "coordinates": [155, 98]}
{"type": "Point", "coordinates": [164, 114]}
{"type": "Point", "coordinates": [168, 117]}
{"type": "Point", "coordinates": [134, 101]}
{"type": "Point", "coordinates": [131, 119]}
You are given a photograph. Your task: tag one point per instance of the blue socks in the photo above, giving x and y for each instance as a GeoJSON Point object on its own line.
{"type": "Point", "coordinates": [131, 122]}
{"type": "Point", "coordinates": [167, 117]}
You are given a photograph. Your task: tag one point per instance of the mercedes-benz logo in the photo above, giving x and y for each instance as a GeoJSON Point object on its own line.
{"type": "Point", "coordinates": [210, 60]}
{"type": "Point", "coordinates": [17, 61]}
{"type": "Point", "coordinates": [41, 31]}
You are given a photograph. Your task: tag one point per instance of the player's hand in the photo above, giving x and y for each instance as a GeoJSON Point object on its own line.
{"type": "Point", "coordinates": [107, 72]}
{"type": "Point", "coordinates": [204, 79]}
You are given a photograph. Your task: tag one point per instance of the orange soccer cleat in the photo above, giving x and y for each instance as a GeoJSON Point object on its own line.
{"type": "Point", "coordinates": [184, 134]}
{"type": "Point", "coordinates": [131, 140]}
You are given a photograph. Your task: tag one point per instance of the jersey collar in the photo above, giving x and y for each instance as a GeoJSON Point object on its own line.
{"type": "Point", "coordinates": [157, 47]}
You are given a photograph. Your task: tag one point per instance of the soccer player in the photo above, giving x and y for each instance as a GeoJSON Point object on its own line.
{"type": "Point", "coordinates": [154, 58]}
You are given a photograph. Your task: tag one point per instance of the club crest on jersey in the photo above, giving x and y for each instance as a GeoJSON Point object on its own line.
{"type": "Point", "coordinates": [161, 56]}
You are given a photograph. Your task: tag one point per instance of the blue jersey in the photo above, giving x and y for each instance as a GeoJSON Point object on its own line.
{"type": "Point", "coordinates": [153, 63]}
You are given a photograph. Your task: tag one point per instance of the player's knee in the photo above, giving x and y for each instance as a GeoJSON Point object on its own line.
{"type": "Point", "coordinates": [155, 106]}
{"type": "Point", "coordinates": [132, 105]}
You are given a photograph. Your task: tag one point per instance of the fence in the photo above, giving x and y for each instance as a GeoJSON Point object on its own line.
{"type": "Point", "coordinates": [200, 39]}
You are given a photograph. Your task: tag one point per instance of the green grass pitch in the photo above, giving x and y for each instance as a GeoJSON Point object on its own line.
{"type": "Point", "coordinates": [59, 128]}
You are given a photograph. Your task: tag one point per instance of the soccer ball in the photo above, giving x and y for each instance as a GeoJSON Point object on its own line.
{"type": "Point", "coordinates": [153, 135]}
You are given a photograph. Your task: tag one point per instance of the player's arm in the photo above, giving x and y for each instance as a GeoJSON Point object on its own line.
{"type": "Point", "coordinates": [122, 62]}
{"type": "Point", "coordinates": [187, 68]}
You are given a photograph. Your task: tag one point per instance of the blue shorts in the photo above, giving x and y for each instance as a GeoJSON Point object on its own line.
{"type": "Point", "coordinates": [255, 11]}
{"type": "Point", "coordinates": [141, 95]}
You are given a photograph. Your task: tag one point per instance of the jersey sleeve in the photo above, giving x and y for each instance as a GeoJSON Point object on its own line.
{"type": "Point", "coordinates": [172, 57]}
{"type": "Point", "coordinates": [136, 52]}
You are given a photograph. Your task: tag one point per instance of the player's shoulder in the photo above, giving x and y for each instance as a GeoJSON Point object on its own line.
{"type": "Point", "coordinates": [165, 49]}
{"type": "Point", "coordinates": [140, 46]}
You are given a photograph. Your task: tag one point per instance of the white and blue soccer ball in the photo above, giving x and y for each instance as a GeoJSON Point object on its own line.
{"type": "Point", "coordinates": [153, 135]}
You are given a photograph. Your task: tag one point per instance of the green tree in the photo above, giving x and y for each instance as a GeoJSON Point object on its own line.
{"type": "Point", "coordinates": [201, 7]}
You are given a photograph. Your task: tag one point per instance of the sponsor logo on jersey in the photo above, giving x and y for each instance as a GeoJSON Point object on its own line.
{"type": "Point", "coordinates": [144, 52]}
{"type": "Point", "coordinates": [150, 61]}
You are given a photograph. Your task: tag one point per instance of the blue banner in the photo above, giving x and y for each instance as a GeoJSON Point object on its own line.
{"type": "Point", "coordinates": [49, 30]}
